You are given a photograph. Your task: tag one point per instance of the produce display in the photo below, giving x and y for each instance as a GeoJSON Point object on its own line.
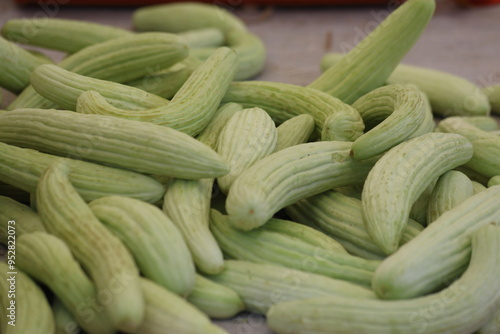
{"type": "Point", "coordinates": [150, 185]}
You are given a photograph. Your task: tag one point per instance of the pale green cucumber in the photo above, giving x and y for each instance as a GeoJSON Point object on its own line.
{"type": "Point", "coordinates": [486, 158]}
{"type": "Point", "coordinates": [210, 134]}
{"type": "Point", "coordinates": [63, 87]}
{"type": "Point", "coordinates": [17, 219]}
{"type": "Point", "coordinates": [23, 167]}
{"type": "Point", "coordinates": [248, 136]}
{"type": "Point", "coordinates": [292, 245]}
{"type": "Point", "coordinates": [400, 177]}
{"type": "Point", "coordinates": [493, 94]}
{"type": "Point", "coordinates": [134, 145]}
{"type": "Point", "coordinates": [215, 300]}
{"type": "Point", "coordinates": [248, 47]}
{"type": "Point", "coordinates": [286, 176]}
{"type": "Point", "coordinates": [16, 65]}
{"type": "Point", "coordinates": [440, 253]}
{"type": "Point", "coordinates": [449, 94]}
{"type": "Point", "coordinates": [485, 123]}
{"type": "Point", "coordinates": [64, 320]}
{"type": "Point", "coordinates": [121, 60]}
{"type": "Point", "coordinates": [179, 17]}
{"type": "Point", "coordinates": [60, 34]}
{"type": "Point", "coordinates": [48, 259]}
{"type": "Point", "coordinates": [192, 107]}
{"type": "Point", "coordinates": [284, 101]}
{"type": "Point", "coordinates": [339, 216]}
{"type": "Point", "coordinates": [494, 181]}
{"type": "Point", "coordinates": [101, 254]}
{"type": "Point", "coordinates": [391, 114]}
{"type": "Point", "coordinates": [463, 307]}
{"type": "Point", "coordinates": [451, 189]}
{"type": "Point", "coordinates": [262, 285]}
{"type": "Point", "coordinates": [478, 187]}
{"type": "Point", "coordinates": [187, 204]}
{"type": "Point", "coordinates": [25, 308]}
{"type": "Point", "coordinates": [297, 130]}
{"type": "Point", "coordinates": [492, 326]}
{"type": "Point", "coordinates": [473, 174]}
{"type": "Point", "coordinates": [156, 244]}
{"type": "Point", "coordinates": [369, 64]}
{"type": "Point", "coordinates": [167, 82]}
{"type": "Point", "coordinates": [168, 311]}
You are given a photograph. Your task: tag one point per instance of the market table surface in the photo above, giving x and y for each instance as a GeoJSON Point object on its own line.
{"type": "Point", "coordinates": [462, 41]}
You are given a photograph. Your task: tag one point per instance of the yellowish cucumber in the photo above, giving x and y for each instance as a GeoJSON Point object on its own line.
{"type": "Point", "coordinates": [187, 204]}
{"type": "Point", "coordinates": [440, 253]}
{"type": "Point", "coordinates": [25, 308]}
{"type": "Point", "coordinates": [49, 260]}
{"type": "Point", "coordinates": [262, 285]}
{"type": "Point", "coordinates": [291, 245]}
{"type": "Point", "coordinates": [210, 134]}
{"type": "Point", "coordinates": [286, 176]}
{"type": "Point", "coordinates": [134, 145]}
{"type": "Point", "coordinates": [23, 167]}
{"type": "Point", "coordinates": [400, 177]}
{"type": "Point", "coordinates": [296, 130]}
{"type": "Point", "coordinates": [17, 219]}
{"type": "Point", "coordinates": [369, 64]}
{"type": "Point", "coordinates": [449, 94]}
{"type": "Point", "coordinates": [248, 136]}
{"type": "Point", "coordinates": [153, 240]}
{"type": "Point", "coordinates": [102, 255]}
{"type": "Point", "coordinates": [463, 307]}
{"type": "Point", "coordinates": [215, 300]}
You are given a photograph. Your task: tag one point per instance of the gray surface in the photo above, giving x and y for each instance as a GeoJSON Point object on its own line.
{"type": "Point", "coordinates": [465, 42]}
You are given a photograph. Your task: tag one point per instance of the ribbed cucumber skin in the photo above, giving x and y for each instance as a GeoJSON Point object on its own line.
{"type": "Point", "coordinates": [121, 60]}
{"type": "Point", "coordinates": [152, 238]}
{"type": "Point", "coordinates": [192, 107]}
{"type": "Point", "coordinates": [463, 307]}
{"type": "Point", "coordinates": [400, 176]}
{"type": "Point", "coordinates": [32, 312]}
{"type": "Point", "coordinates": [26, 219]}
{"type": "Point", "coordinates": [215, 300]}
{"type": "Point", "coordinates": [16, 64]}
{"type": "Point", "coordinates": [369, 64]}
{"type": "Point", "coordinates": [102, 255]}
{"type": "Point", "coordinates": [248, 136]}
{"type": "Point", "coordinates": [210, 134]}
{"type": "Point", "coordinates": [284, 101]}
{"type": "Point", "coordinates": [451, 189]}
{"type": "Point", "coordinates": [449, 94]}
{"type": "Point", "coordinates": [167, 311]}
{"type": "Point", "coordinates": [440, 253]}
{"type": "Point", "coordinates": [187, 204]}
{"type": "Point", "coordinates": [60, 34]}
{"type": "Point", "coordinates": [23, 167]}
{"type": "Point", "coordinates": [291, 245]}
{"type": "Point", "coordinates": [63, 88]}
{"type": "Point", "coordinates": [486, 158]}
{"type": "Point", "coordinates": [49, 260]}
{"type": "Point", "coordinates": [339, 216]}
{"type": "Point", "coordinates": [286, 176]}
{"type": "Point", "coordinates": [262, 285]}
{"type": "Point", "coordinates": [392, 114]}
{"type": "Point", "coordinates": [134, 145]}
{"type": "Point", "coordinates": [297, 130]}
